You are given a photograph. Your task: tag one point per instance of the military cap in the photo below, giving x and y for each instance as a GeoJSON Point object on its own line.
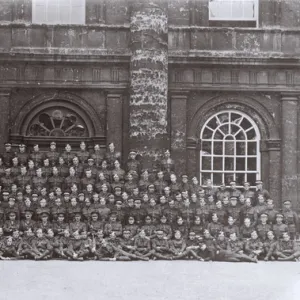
{"type": "Point", "coordinates": [12, 198]}
{"type": "Point", "coordinates": [126, 230]}
{"type": "Point", "coordinates": [95, 212]}
{"type": "Point", "coordinates": [287, 201]}
{"type": "Point", "coordinates": [66, 193]}
{"type": "Point", "coordinates": [132, 152]}
{"type": "Point", "coordinates": [117, 188]}
{"type": "Point", "coordinates": [184, 176]}
{"type": "Point", "coordinates": [232, 181]}
{"type": "Point", "coordinates": [22, 146]}
{"type": "Point", "coordinates": [258, 181]}
{"type": "Point", "coordinates": [12, 212]}
{"type": "Point", "coordinates": [7, 144]}
{"type": "Point", "coordinates": [90, 159]}
{"type": "Point", "coordinates": [61, 214]}
{"type": "Point", "coordinates": [34, 195]}
{"type": "Point", "coordinates": [80, 194]}
{"type": "Point", "coordinates": [279, 215]}
{"type": "Point", "coordinates": [233, 198]}
{"type": "Point", "coordinates": [5, 193]}
{"type": "Point", "coordinates": [77, 212]}
{"type": "Point", "coordinates": [264, 215]}
{"type": "Point", "coordinates": [29, 209]}
{"type": "Point", "coordinates": [52, 143]}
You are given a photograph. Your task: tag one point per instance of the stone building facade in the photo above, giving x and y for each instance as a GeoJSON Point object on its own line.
{"type": "Point", "coordinates": [223, 96]}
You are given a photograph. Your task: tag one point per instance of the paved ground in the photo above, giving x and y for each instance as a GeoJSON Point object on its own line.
{"type": "Point", "coordinates": [157, 280]}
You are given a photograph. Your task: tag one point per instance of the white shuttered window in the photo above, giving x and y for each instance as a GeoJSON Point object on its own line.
{"type": "Point", "coordinates": [58, 11]}
{"type": "Point", "coordinates": [233, 10]}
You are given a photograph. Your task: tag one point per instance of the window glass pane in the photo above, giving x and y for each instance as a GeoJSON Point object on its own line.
{"type": "Point", "coordinates": [236, 118]}
{"type": "Point", "coordinates": [218, 135]}
{"type": "Point", "coordinates": [64, 15]}
{"type": "Point", "coordinates": [206, 147]}
{"type": "Point", "coordinates": [219, 10]}
{"type": "Point", "coordinates": [223, 118]}
{"type": "Point", "coordinates": [225, 129]}
{"type": "Point", "coordinates": [52, 12]}
{"type": "Point", "coordinates": [251, 135]}
{"type": "Point", "coordinates": [251, 164]}
{"type": "Point", "coordinates": [217, 179]}
{"type": "Point", "coordinates": [206, 163]}
{"type": "Point", "coordinates": [240, 178]}
{"type": "Point", "coordinates": [218, 163]}
{"type": "Point", "coordinates": [213, 123]}
{"type": "Point", "coordinates": [245, 124]}
{"type": "Point", "coordinates": [207, 134]}
{"type": "Point", "coordinates": [240, 136]}
{"type": "Point", "coordinates": [229, 163]}
{"type": "Point", "coordinates": [237, 10]}
{"type": "Point", "coordinates": [228, 177]}
{"type": "Point", "coordinates": [249, 10]}
{"type": "Point", "coordinates": [234, 129]}
{"type": "Point", "coordinates": [240, 148]}
{"type": "Point", "coordinates": [229, 147]}
{"type": "Point", "coordinates": [252, 148]}
{"type": "Point", "coordinates": [240, 164]}
{"type": "Point", "coordinates": [204, 177]}
{"type": "Point", "coordinates": [218, 148]}
{"type": "Point", "coordinates": [78, 15]}
{"type": "Point", "coordinates": [251, 177]}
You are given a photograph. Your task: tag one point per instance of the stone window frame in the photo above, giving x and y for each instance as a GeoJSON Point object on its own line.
{"type": "Point", "coordinates": [224, 157]}
{"type": "Point", "coordinates": [73, 12]}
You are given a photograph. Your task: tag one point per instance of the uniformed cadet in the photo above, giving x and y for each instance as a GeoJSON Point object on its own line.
{"type": "Point", "coordinates": [41, 246]}
{"type": "Point", "coordinates": [83, 154]}
{"type": "Point", "coordinates": [62, 167]}
{"type": "Point", "coordinates": [246, 229]}
{"type": "Point", "coordinates": [78, 247]}
{"type": "Point", "coordinates": [15, 167]}
{"type": "Point", "coordinates": [160, 247]}
{"type": "Point", "coordinates": [259, 190]}
{"type": "Point", "coordinates": [28, 223]}
{"type": "Point", "coordinates": [59, 225]}
{"type": "Point", "coordinates": [236, 249]}
{"type": "Point", "coordinates": [11, 224]}
{"type": "Point", "coordinates": [287, 249]}
{"type": "Point", "coordinates": [39, 181]}
{"type": "Point", "coordinates": [178, 247]}
{"type": "Point", "coordinates": [142, 244]}
{"type": "Point", "coordinates": [132, 163]}
{"type": "Point", "coordinates": [247, 192]}
{"type": "Point", "coordinates": [263, 227]}
{"type": "Point", "coordinates": [113, 226]}
{"type": "Point", "coordinates": [68, 155]}
{"type": "Point", "coordinates": [8, 249]}
{"type": "Point", "coordinates": [270, 245]}
{"type": "Point", "coordinates": [271, 212]}
{"type": "Point", "coordinates": [55, 180]}
{"type": "Point", "coordinates": [36, 156]}
{"type": "Point", "coordinates": [8, 154]}
{"type": "Point", "coordinates": [23, 179]}
{"type": "Point", "coordinates": [7, 180]}
{"type": "Point", "coordinates": [97, 155]}
{"type": "Point", "coordinates": [112, 155]}
{"type": "Point", "coordinates": [291, 219]}
{"type": "Point", "coordinates": [254, 246]}
{"type": "Point", "coordinates": [279, 227]}
{"type": "Point", "coordinates": [95, 224]}
{"type": "Point", "coordinates": [231, 227]}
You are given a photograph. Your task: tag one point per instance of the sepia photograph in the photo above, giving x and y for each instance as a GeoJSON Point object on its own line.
{"type": "Point", "coordinates": [150, 149]}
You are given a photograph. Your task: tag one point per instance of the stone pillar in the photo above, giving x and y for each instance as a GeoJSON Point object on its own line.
{"type": "Point", "coordinates": [114, 103]}
{"type": "Point", "coordinates": [148, 105]}
{"type": "Point", "coordinates": [274, 175]}
{"type": "Point", "coordinates": [178, 130]}
{"type": "Point", "coordinates": [289, 148]}
{"type": "Point", "coordinates": [4, 117]}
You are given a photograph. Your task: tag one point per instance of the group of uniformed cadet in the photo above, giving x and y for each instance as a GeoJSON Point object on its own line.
{"type": "Point", "coordinates": [88, 204]}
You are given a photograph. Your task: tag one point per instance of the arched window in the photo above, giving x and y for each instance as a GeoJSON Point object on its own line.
{"type": "Point", "coordinates": [230, 149]}
{"type": "Point", "coordinates": [57, 122]}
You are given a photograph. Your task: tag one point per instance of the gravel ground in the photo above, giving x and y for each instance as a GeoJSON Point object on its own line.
{"type": "Point", "coordinates": [156, 280]}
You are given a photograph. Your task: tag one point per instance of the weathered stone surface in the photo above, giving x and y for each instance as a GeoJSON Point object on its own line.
{"type": "Point", "coordinates": [149, 78]}
{"type": "Point", "coordinates": [4, 116]}
{"type": "Point", "coordinates": [289, 149]}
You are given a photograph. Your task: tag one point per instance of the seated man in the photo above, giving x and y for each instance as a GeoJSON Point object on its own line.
{"type": "Point", "coordinates": [179, 249]}
{"type": "Point", "coordinates": [78, 247]}
{"type": "Point", "coordinates": [142, 244]}
{"type": "Point", "coordinates": [161, 248]}
{"type": "Point", "coordinates": [254, 246]}
{"type": "Point", "coordinates": [287, 249]}
{"type": "Point", "coordinates": [235, 248]}
{"type": "Point", "coordinates": [8, 249]}
{"type": "Point", "coordinates": [41, 246]}
{"type": "Point", "coordinates": [270, 245]}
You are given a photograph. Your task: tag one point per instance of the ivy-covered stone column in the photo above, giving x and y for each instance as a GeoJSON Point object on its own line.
{"type": "Point", "coordinates": [148, 105]}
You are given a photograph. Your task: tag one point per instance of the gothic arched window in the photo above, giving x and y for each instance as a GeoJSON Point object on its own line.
{"type": "Point", "coordinates": [57, 122]}
{"type": "Point", "coordinates": [230, 149]}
